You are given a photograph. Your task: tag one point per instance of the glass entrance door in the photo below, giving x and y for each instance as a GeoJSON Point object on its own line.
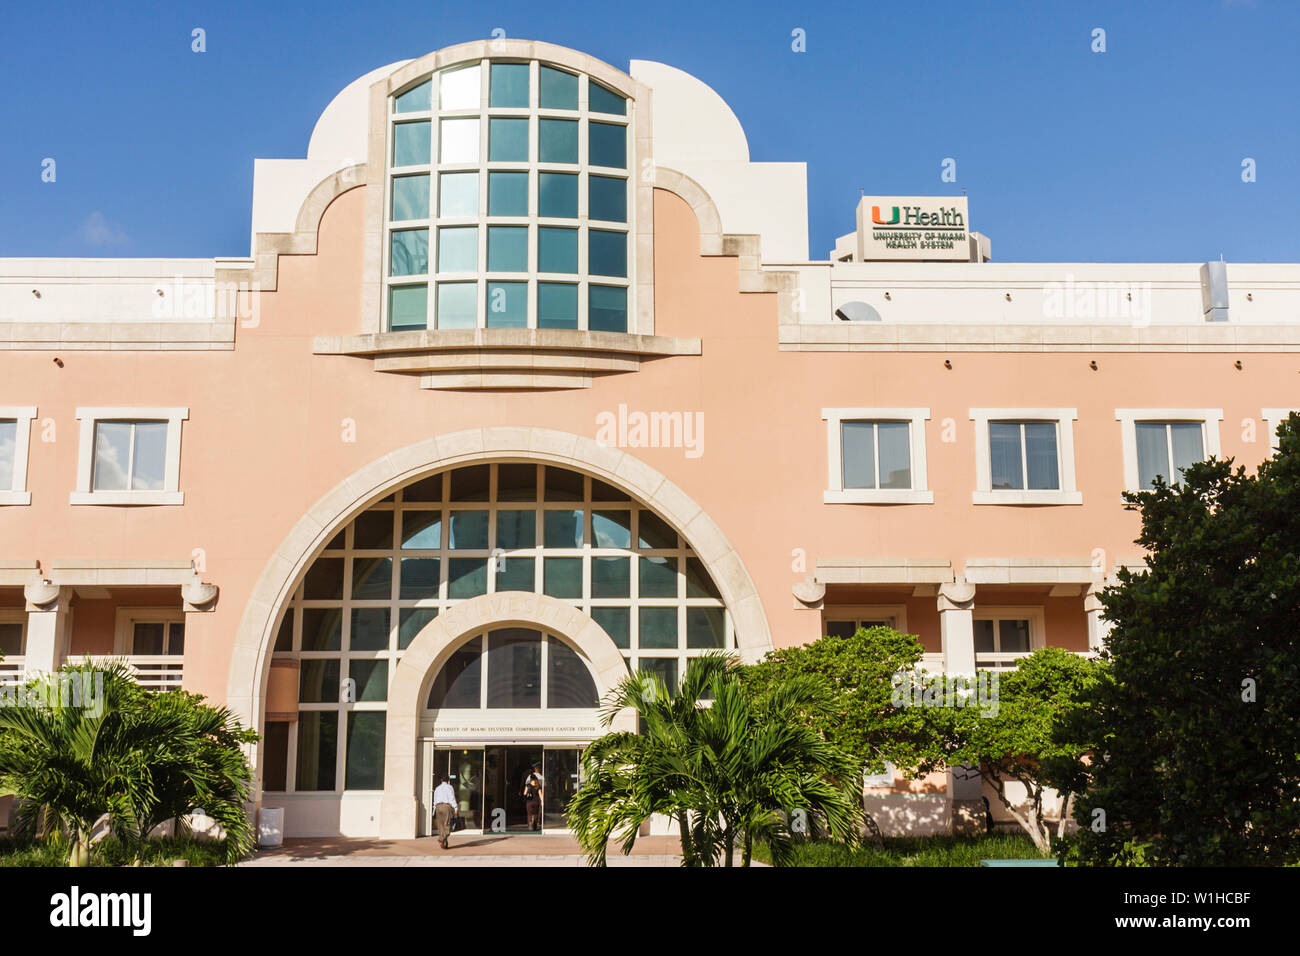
{"type": "Point", "coordinates": [561, 766]}
{"type": "Point", "coordinates": [490, 781]}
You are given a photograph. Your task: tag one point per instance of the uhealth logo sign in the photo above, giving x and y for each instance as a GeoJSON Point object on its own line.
{"type": "Point", "coordinates": [913, 227]}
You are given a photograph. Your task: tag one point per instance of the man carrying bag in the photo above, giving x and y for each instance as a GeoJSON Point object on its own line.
{"type": "Point", "coordinates": [444, 808]}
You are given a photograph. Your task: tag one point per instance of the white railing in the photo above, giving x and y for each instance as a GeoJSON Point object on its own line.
{"type": "Point", "coordinates": [11, 671]}
{"type": "Point", "coordinates": [1009, 661]}
{"type": "Point", "coordinates": [151, 671]}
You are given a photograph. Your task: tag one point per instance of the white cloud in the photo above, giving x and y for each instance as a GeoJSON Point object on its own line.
{"type": "Point", "coordinates": [95, 230]}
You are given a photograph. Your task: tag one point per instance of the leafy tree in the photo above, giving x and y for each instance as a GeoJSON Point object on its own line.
{"type": "Point", "coordinates": [87, 745]}
{"type": "Point", "coordinates": [1198, 756]}
{"type": "Point", "coordinates": [1023, 739]}
{"type": "Point", "coordinates": [729, 766]}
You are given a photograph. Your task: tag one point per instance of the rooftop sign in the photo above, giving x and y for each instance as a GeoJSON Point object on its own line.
{"type": "Point", "coordinates": [913, 227]}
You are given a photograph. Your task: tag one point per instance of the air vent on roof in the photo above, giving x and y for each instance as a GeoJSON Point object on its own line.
{"type": "Point", "coordinates": [857, 312]}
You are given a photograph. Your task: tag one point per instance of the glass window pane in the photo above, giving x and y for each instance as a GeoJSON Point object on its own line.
{"type": "Point", "coordinates": [841, 628]}
{"type": "Point", "coordinates": [364, 768]}
{"type": "Point", "coordinates": [516, 483]}
{"type": "Point", "coordinates": [411, 621]}
{"type": "Point", "coordinates": [1013, 636]}
{"type": "Point", "coordinates": [457, 195]}
{"type": "Point", "coordinates": [507, 140]}
{"type": "Point", "coordinates": [607, 198]}
{"type": "Point", "coordinates": [509, 85]}
{"type": "Point", "coordinates": [507, 194]}
{"type": "Point", "coordinates": [8, 451]}
{"type": "Point", "coordinates": [324, 580]}
{"type": "Point", "coordinates": [322, 629]}
{"type": "Point", "coordinates": [568, 681]}
{"type": "Point", "coordinates": [408, 307]}
{"type": "Point", "coordinates": [562, 577]}
{"type": "Point", "coordinates": [373, 531]}
{"type": "Point", "coordinates": [559, 90]}
{"type": "Point", "coordinates": [457, 305]}
{"type": "Point", "coordinates": [1040, 455]}
{"type": "Point", "coordinates": [601, 100]}
{"type": "Point", "coordinates": [858, 454]}
{"type": "Point", "coordinates": [458, 683]}
{"type": "Point", "coordinates": [895, 454]}
{"type": "Point", "coordinates": [698, 582]}
{"type": "Point", "coordinates": [658, 627]}
{"type": "Point", "coordinates": [112, 456]}
{"type": "Point", "coordinates": [459, 89]}
{"type": "Point", "coordinates": [149, 463]}
{"type": "Point", "coordinates": [514, 574]}
{"type": "Point", "coordinates": [176, 642]}
{"type": "Point", "coordinates": [318, 733]}
{"type": "Point", "coordinates": [615, 621]}
{"type": "Point", "coordinates": [706, 627]}
{"type": "Point", "coordinates": [563, 529]}
{"type": "Point", "coordinates": [369, 679]}
{"type": "Point", "coordinates": [507, 248]}
{"type": "Point", "coordinates": [606, 308]}
{"type": "Point", "coordinates": [655, 533]}
{"type": "Point", "coordinates": [148, 637]}
{"type": "Point", "coordinates": [412, 144]}
{"type": "Point", "coordinates": [283, 637]}
{"type": "Point", "coordinates": [275, 750]}
{"type": "Point", "coordinates": [318, 682]}
{"type": "Point", "coordinates": [557, 305]}
{"type": "Point", "coordinates": [606, 253]}
{"type": "Point", "coordinates": [1004, 456]}
{"type": "Point", "coordinates": [612, 529]}
{"type": "Point", "coordinates": [658, 577]}
{"type": "Point", "coordinates": [983, 637]}
{"type": "Point", "coordinates": [557, 195]}
{"type": "Point", "coordinates": [467, 577]}
{"type": "Point", "coordinates": [607, 145]}
{"type": "Point", "coordinates": [1188, 447]}
{"type": "Point", "coordinates": [458, 249]}
{"type": "Point", "coordinates": [469, 529]}
{"type": "Point", "coordinates": [470, 484]}
{"type": "Point", "coordinates": [665, 668]}
{"type": "Point", "coordinates": [410, 252]}
{"type": "Point", "coordinates": [421, 530]}
{"type": "Point", "coordinates": [516, 529]}
{"type": "Point", "coordinates": [514, 668]}
{"type": "Point", "coordinates": [419, 579]}
{"type": "Point", "coordinates": [611, 577]}
{"type": "Point", "coordinates": [557, 250]}
{"type": "Point", "coordinates": [369, 629]}
{"type": "Point", "coordinates": [562, 485]}
{"type": "Point", "coordinates": [372, 578]}
{"type": "Point", "coordinates": [1152, 451]}
{"type": "Point", "coordinates": [410, 197]}
{"type": "Point", "coordinates": [557, 141]}
{"type": "Point", "coordinates": [507, 305]}
{"type": "Point", "coordinates": [414, 100]}
{"type": "Point", "coordinates": [458, 141]}
{"type": "Point", "coordinates": [426, 489]}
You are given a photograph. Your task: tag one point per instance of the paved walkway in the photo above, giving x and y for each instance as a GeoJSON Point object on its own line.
{"type": "Point", "coordinates": [467, 849]}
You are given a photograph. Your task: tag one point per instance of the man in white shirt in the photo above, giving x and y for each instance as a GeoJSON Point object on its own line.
{"type": "Point", "coordinates": [444, 808]}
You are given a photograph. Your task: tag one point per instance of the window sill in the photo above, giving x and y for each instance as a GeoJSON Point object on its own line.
{"type": "Point", "coordinates": [126, 498]}
{"type": "Point", "coordinates": [1027, 497]}
{"type": "Point", "coordinates": [864, 496]}
{"type": "Point", "coordinates": [15, 497]}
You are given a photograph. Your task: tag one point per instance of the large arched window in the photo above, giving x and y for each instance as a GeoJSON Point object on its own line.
{"type": "Point", "coordinates": [454, 536]}
{"type": "Point", "coordinates": [509, 201]}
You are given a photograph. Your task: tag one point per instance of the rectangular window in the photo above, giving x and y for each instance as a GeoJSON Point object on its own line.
{"type": "Point", "coordinates": [1166, 448]}
{"type": "Point", "coordinates": [410, 252]}
{"type": "Point", "coordinates": [457, 195]}
{"type": "Point", "coordinates": [457, 305]}
{"type": "Point", "coordinates": [607, 198]}
{"type": "Point", "coordinates": [458, 249]}
{"type": "Point", "coordinates": [557, 305]}
{"type": "Point", "coordinates": [514, 669]}
{"type": "Point", "coordinates": [275, 756]}
{"type": "Point", "coordinates": [1023, 456]}
{"type": "Point", "coordinates": [876, 455]}
{"type": "Point", "coordinates": [9, 450]}
{"type": "Point", "coordinates": [408, 307]}
{"type": "Point", "coordinates": [129, 456]}
{"type": "Point", "coordinates": [507, 194]}
{"type": "Point", "coordinates": [509, 85]}
{"type": "Point", "coordinates": [15, 433]}
{"type": "Point", "coordinates": [457, 141]}
{"type": "Point", "coordinates": [607, 145]}
{"type": "Point", "coordinates": [507, 305]}
{"type": "Point", "coordinates": [318, 735]}
{"type": "Point", "coordinates": [607, 308]}
{"type": "Point", "coordinates": [1004, 635]}
{"type": "Point", "coordinates": [558, 141]}
{"type": "Point", "coordinates": [607, 253]}
{"type": "Point", "coordinates": [507, 248]}
{"type": "Point", "coordinates": [157, 638]}
{"type": "Point", "coordinates": [508, 140]}
{"type": "Point", "coordinates": [412, 144]}
{"type": "Point", "coordinates": [557, 250]}
{"type": "Point", "coordinates": [557, 195]}
{"type": "Point", "coordinates": [410, 197]}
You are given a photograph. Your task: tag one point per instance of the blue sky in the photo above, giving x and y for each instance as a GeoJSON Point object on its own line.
{"type": "Point", "coordinates": [1067, 155]}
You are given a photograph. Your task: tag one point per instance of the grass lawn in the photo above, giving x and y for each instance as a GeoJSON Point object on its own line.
{"type": "Point", "coordinates": [913, 851]}
{"type": "Point", "coordinates": [109, 852]}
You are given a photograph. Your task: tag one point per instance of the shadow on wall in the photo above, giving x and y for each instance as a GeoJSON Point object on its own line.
{"type": "Point", "coordinates": [905, 814]}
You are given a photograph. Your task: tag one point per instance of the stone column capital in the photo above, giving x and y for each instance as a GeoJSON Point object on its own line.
{"type": "Point", "coordinates": [42, 596]}
{"type": "Point", "coordinates": [956, 596]}
{"type": "Point", "coordinates": [809, 593]}
{"type": "Point", "coordinates": [199, 597]}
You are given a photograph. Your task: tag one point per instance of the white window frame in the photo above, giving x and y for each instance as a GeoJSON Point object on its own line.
{"type": "Point", "coordinates": [17, 616]}
{"type": "Point", "coordinates": [17, 493]}
{"type": "Point", "coordinates": [895, 615]}
{"type": "Point", "coordinates": [1063, 418]}
{"type": "Point", "coordinates": [128, 617]}
{"type": "Point", "coordinates": [836, 493]}
{"type": "Point", "coordinates": [880, 781]}
{"type": "Point", "coordinates": [1207, 418]}
{"type": "Point", "coordinates": [170, 493]}
{"type": "Point", "coordinates": [1272, 418]}
{"type": "Point", "coordinates": [1034, 615]}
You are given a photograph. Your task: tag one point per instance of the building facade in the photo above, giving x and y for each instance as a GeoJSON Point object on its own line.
{"type": "Point", "coordinates": [529, 381]}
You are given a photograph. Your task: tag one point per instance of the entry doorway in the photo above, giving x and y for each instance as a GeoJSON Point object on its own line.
{"type": "Point", "coordinates": [489, 784]}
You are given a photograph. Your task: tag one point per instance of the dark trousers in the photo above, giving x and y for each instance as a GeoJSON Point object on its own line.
{"type": "Point", "coordinates": [534, 807]}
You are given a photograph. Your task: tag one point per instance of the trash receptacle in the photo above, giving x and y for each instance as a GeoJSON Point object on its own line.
{"type": "Point", "coordinates": [270, 827]}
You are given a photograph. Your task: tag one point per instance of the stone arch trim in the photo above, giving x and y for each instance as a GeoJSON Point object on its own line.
{"type": "Point", "coordinates": [430, 650]}
{"type": "Point", "coordinates": [250, 657]}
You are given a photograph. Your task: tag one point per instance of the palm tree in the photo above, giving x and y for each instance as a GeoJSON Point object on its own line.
{"type": "Point", "coordinates": [730, 767]}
